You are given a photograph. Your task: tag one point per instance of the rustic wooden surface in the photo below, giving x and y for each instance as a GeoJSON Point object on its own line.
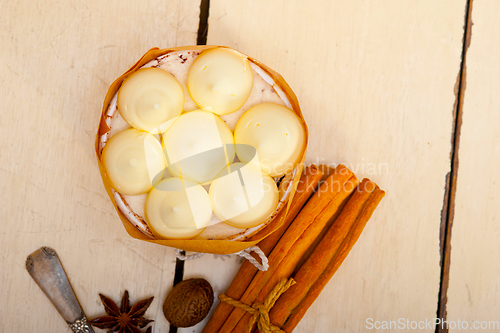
{"type": "Point", "coordinates": [376, 82]}
{"type": "Point", "coordinates": [58, 60]}
{"type": "Point", "coordinates": [376, 85]}
{"type": "Point", "coordinates": [474, 287]}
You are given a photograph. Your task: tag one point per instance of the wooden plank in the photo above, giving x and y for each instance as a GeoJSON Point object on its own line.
{"type": "Point", "coordinates": [58, 59]}
{"type": "Point", "coordinates": [376, 85]}
{"type": "Point", "coordinates": [474, 285]}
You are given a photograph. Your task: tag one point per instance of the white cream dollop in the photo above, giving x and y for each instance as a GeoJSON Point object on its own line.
{"type": "Point", "coordinates": [133, 161]}
{"type": "Point", "coordinates": [220, 78]}
{"type": "Point", "coordinates": [242, 196]}
{"type": "Point", "coordinates": [275, 132]}
{"type": "Point", "coordinates": [198, 146]}
{"type": "Point", "coordinates": [177, 209]}
{"type": "Point", "coordinates": [149, 98]}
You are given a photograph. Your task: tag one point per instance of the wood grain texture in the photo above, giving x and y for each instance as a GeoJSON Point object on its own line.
{"type": "Point", "coordinates": [376, 85]}
{"type": "Point", "coordinates": [58, 59]}
{"type": "Point", "coordinates": [474, 284]}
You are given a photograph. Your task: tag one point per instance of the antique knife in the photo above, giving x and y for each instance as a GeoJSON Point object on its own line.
{"type": "Point", "coordinates": [46, 269]}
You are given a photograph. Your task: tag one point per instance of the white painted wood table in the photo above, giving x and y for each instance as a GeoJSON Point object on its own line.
{"type": "Point", "coordinates": [383, 89]}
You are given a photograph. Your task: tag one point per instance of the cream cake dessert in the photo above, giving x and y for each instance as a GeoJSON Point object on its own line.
{"type": "Point", "coordinates": [194, 136]}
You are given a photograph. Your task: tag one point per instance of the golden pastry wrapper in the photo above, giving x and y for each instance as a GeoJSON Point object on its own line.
{"type": "Point", "coordinates": [197, 245]}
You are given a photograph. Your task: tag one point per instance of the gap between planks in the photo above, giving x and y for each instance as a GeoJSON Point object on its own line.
{"type": "Point", "coordinates": [200, 40]}
{"type": "Point", "coordinates": [449, 197]}
{"type": "Point", "coordinates": [447, 213]}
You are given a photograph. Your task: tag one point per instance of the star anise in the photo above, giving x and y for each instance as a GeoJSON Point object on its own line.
{"type": "Point", "coordinates": [123, 319]}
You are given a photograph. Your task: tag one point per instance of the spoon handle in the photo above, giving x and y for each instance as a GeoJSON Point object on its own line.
{"type": "Point", "coordinates": [45, 268]}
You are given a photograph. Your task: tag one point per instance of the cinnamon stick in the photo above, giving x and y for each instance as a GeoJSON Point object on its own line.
{"type": "Point", "coordinates": [314, 267]}
{"type": "Point", "coordinates": [302, 246]}
{"type": "Point", "coordinates": [307, 184]}
{"type": "Point", "coordinates": [353, 184]}
{"type": "Point", "coordinates": [301, 233]}
{"type": "Point", "coordinates": [327, 171]}
{"type": "Point", "coordinates": [298, 313]}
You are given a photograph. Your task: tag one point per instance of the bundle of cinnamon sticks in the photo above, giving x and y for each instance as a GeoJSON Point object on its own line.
{"type": "Point", "coordinates": [325, 219]}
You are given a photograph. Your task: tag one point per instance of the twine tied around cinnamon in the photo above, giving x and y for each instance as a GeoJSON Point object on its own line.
{"type": "Point", "coordinates": [260, 311]}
